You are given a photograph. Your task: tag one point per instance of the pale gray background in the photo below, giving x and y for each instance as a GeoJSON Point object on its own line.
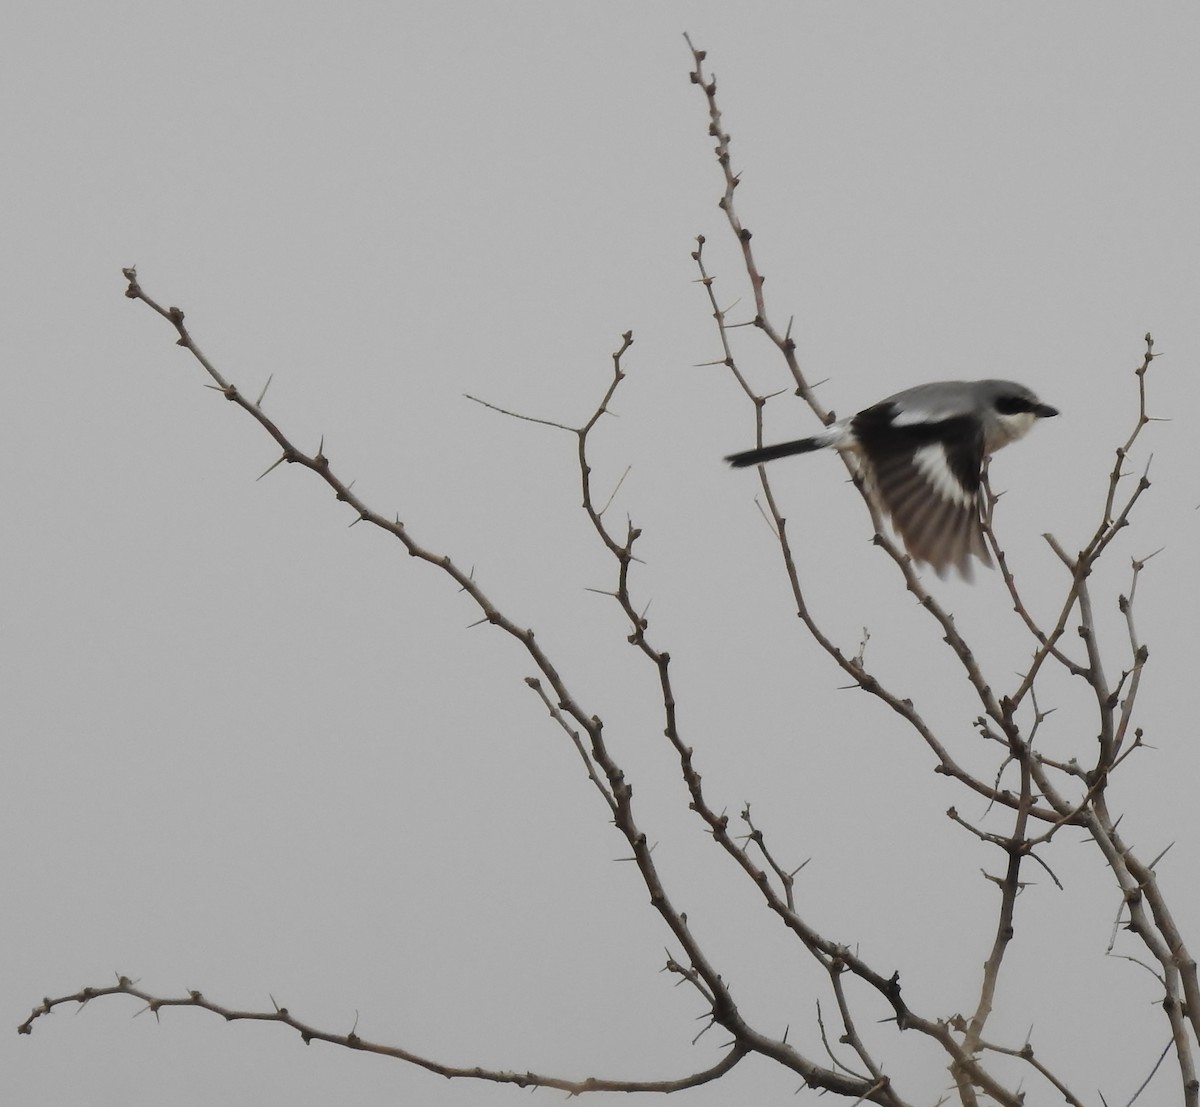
{"type": "Point", "coordinates": [251, 751]}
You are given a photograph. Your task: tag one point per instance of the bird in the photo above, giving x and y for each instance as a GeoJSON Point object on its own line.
{"type": "Point", "coordinates": [924, 451]}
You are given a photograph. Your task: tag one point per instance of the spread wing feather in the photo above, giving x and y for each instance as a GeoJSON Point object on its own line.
{"type": "Point", "coordinates": [926, 477]}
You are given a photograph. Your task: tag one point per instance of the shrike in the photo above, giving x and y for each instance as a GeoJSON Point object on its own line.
{"type": "Point", "coordinates": [924, 450]}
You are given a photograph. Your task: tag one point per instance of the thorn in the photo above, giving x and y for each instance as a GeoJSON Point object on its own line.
{"type": "Point", "coordinates": [282, 459]}
{"type": "Point", "coordinates": [1159, 857]}
{"type": "Point", "coordinates": [263, 393]}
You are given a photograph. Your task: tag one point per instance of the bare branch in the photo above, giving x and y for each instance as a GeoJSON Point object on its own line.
{"type": "Point", "coordinates": [351, 1040]}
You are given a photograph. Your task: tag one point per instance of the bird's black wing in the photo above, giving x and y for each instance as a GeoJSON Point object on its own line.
{"type": "Point", "coordinates": [926, 476]}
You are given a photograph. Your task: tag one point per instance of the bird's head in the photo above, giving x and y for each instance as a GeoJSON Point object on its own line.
{"type": "Point", "coordinates": [1010, 411]}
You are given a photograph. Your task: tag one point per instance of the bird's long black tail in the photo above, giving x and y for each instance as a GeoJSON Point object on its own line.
{"type": "Point", "coordinates": [782, 449]}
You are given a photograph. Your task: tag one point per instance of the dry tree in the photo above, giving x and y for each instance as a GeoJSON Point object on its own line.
{"type": "Point", "coordinates": [1038, 797]}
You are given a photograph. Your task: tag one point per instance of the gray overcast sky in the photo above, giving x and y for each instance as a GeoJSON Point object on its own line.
{"type": "Point", "coordinates": [252, 751]}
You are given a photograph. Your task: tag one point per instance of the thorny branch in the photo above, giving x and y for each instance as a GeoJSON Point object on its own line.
{"type": "Point", "coordinates": [352, 1040]}
{"type": "Point", "coordinates": [564, 709]}
{"type": "Point", "coordinates": [586, 732]}
{"type": "Point", "coordinates": [1039, 797]}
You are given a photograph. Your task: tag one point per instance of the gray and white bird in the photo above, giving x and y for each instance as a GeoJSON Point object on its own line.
{"type": "Point", "coordinates": [924, 450]}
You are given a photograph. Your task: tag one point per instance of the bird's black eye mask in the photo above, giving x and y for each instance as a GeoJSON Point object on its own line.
{"type": "Point", "coordinates": [1017, 405]}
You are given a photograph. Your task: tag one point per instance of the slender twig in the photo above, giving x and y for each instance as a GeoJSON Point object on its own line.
{"type": "Point", "coordinates": [352, 1040]}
